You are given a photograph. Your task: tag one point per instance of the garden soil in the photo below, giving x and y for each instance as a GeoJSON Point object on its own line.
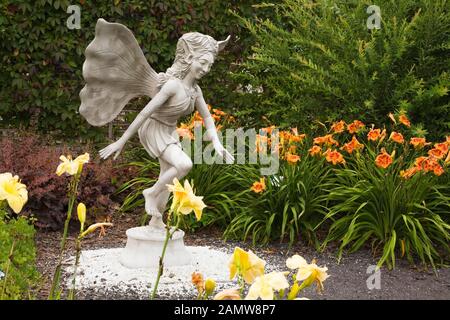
{"type": "Point", "coordinates": [353, 278]}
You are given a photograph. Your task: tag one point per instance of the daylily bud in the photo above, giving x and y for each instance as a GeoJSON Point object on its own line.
{"type": "Point", "coordinates": [210, 285]}
{"type": "Point", "coordinates": [81, 210]}
{"type": "Point", "coordinates": [93, 227]}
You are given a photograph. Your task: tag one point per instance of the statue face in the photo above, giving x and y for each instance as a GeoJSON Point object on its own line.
{"type": "Point", "coordinates": [201, 65]}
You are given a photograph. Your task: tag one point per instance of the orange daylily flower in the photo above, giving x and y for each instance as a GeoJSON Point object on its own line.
{"type": "Point", "coordinates": [384, 159]}
{"type": "Point", "coordinates": [296, 138]}
{"type": "Point", "coordinates": [261, 143]}
{"type": "Point", "coordinates": [292, 149]}
{"type": "Point", "coordinates": [268, 129]}
{"type": "Point", "coordinates": [259, 186]}
{"type": "Point", "coordinates": [198, 282]}
{"type": "Point", "coordinates": [283, 136]}
{"type": "Point", "coordinates": [352, 145]}
{"type": "Point", "coordinates": [338, 127]}
{"type": "Point", "coordinates": [334, 156]}
{"type": "Point", "coordinates": [396, 137]}
{"type": "Point", "coordinates": [355, 126]}
{"type": "Point", "coordinates": [406, 174]}
{"type": "Point", "coordinates": [315, 150]}
{"type": "Point", "coordinates": [327, 139]}
{"type": "Point", "coordinates": [419, 162]}
{"type": "Point", "coordinates": [438, 170]}
{"type": "Point", "coordinates": [404, 120]}
{"type": "Point", "coordinates": [185, 132]}
{"type": "Point", "coordinates": [429, 164]}
{"type": "Point", "coordinates": [442, 146]}
{"type": "Point", "coordinates": [197, 119]}
{"type": "Point", "coordinates": [292, 158]}
{"type": "Point", "coordinates": [418, 142]}
{"type": "Point", "coordinates": [375, 134]}
{"type": "Point", "coordinates": [219, 112]}
{"type": "Point", "coordinates": [437, 153]}
{"type": "Point", "coordinates": [216, 117]}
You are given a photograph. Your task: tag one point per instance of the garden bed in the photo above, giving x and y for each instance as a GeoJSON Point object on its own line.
{"type": "Point", "coordinates": [347, 279]}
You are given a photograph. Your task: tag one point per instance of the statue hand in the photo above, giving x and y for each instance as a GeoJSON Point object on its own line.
{"type": "Point", "coordinates": [223, 152]}
{"type": "Point", "coordinates": [115, 147]}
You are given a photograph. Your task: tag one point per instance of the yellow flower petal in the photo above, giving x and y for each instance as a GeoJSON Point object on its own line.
{"type": "Point", "coordinates": [83, 158]}
{"type": "Point", "coordinates": [14, 192]}
{"type": "Point", "coordinates": [303, 273]}
{"type": "Point", "coordinates": [228, 294]}
{"type": "Point", "coordinates": [295, 262]}
{"type": "Point", "coordinates": [266, 284]}
{"type": "Point", "coordinates": [247, 264]}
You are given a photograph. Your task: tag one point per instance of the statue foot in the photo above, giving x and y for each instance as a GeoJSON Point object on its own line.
{"type": "Point", "coordinates": [157, 223]}
{"type": "Point", "coordinates": [151, 203]}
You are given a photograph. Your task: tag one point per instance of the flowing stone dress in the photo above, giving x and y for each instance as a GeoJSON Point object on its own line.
{"type": "Point", "coordinates": [159, 130]}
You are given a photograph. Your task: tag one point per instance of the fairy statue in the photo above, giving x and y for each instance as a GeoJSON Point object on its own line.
{"type": "Point", "coordinates": [116, 71]}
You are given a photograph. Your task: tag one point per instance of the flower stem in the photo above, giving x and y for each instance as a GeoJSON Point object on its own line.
{"type": "Point", "coordinates": [73, 187]}
{"type": "Point", "coordinates": [11, 252]}
{"type": "Point", "coordinates": [161, 259]}
{"type": "Point", "coordinates": [241, 283]}
{"type": "Point", "coordinates": [77, 261]}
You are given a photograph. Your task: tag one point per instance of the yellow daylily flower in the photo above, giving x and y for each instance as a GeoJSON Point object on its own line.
{"type": "Point", "coordinates": [81, 211]}
{"type": "Point", "coordinates": [14, 192]}
{"type": "Point", "coordinates": [184, 199]}
{"type": "Point", "coordinates": [191, 202]}
{"type": "Point", "coordinates": [178, 193]}
{"type": "Point", "coordinates": [307, 272]}
{"type": "Point", "coordinates": [71, 167]}
{"type": "Point", "coordinates": [246, 264]}
{"type": "Point", "coordinates": [228, 294]}
{"type": "Point", "coordinates": [265, 285]}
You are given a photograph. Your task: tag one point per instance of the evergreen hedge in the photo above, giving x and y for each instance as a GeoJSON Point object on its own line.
{"type": "Point", "coordinates": [41, 58]}
{"type": "Point", "coordinates": [319, 60]}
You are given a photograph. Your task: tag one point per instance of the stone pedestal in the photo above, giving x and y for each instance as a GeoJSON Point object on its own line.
{"type": "Point", "coordinates": [144, 248]}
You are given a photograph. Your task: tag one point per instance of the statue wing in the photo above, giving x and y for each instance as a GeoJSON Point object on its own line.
{"type": "Point", "coordinates": [115, 71]}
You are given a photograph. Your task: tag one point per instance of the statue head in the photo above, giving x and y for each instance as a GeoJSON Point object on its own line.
{"type": "Point", "coordinates": [195, 49]}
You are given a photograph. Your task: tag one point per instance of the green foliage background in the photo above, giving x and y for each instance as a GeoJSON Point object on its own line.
{"type": "Point", "coordinates": [318, 60]}
{"type": "Point", "coordinates": [41, 58]}
{"type": "Point", "coordinates": [18, 264]}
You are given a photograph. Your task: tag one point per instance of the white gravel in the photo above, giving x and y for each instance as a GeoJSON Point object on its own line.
{"type": "Point", "coordinates": [100, 270]}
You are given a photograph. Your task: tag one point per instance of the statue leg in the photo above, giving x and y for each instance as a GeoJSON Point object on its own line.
{"type": "Point", "coordinates": [174, 164]}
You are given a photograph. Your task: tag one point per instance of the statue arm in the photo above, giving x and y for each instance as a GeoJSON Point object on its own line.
{"type": "Point", "coordinates": [168, 90]}
{"type": "Point", "coordinates": [202, 108]}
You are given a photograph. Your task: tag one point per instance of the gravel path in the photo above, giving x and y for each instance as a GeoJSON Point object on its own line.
{"type": "Point", "coordinates": [348, 279]}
